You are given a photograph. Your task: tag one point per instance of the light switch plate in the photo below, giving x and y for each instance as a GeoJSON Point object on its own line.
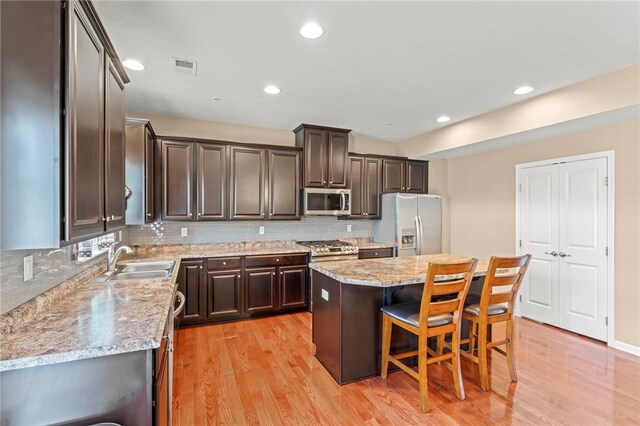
{"type": "Point", "coordinates": [184, 232]}
{"type": "Point", "coordinates": [325, 295]}
{"type": "Point", "coordinates": [261, 230]}
{"type": "Point", "coordinates": [28, 268]}
{"type": "Point", "coordinates": [348, 228]}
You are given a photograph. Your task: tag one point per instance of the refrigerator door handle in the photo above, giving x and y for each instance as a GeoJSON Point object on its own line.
{"type": "Point", "coordinates": [418, 236]}
{"type": "Point", "coordinates": [420, 233]}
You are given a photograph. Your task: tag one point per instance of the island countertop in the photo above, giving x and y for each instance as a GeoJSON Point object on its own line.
{"type": "Point", "coordinates": [389, 272]}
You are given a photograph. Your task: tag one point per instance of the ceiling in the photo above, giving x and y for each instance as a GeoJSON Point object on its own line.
{"type": "Point", "coordinates": [386, 70]}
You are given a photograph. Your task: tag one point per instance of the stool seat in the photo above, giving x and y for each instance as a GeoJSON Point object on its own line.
{"type": "Point", "coordinates": [409, 312]}
{"type": "Point", "coordinates": [493, 309]}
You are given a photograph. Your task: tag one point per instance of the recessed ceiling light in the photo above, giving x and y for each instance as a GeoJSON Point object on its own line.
{"type": "Point", "coordinates": [443, 119]}
{"type": "Point", "coordinates": [523, 90]}
{"type": "Point", "coordinates": [272, 90]}
{"type": "Point", "coordinates": [133, 64]}
{"type": "Point", "coordinates": [311, 30]}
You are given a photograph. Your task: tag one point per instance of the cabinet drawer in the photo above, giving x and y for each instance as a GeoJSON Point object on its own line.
{"type": "Point", "coordinates": [285, 259]}
{"type": "Point", "coordinates": [224, 263]}
{"type": "Point", "coordinates": [373, 253]}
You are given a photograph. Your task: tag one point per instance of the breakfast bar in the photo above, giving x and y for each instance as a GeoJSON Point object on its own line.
{"type": "Point", "coordinates": [347, 297]}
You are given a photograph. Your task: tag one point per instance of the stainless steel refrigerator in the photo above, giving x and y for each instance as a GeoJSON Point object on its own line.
{"type": "Point", "coordinates": [413, 222]}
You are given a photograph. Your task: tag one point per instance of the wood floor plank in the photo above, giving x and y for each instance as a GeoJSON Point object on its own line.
{"type": "Point", "coordinates": [264, 372]}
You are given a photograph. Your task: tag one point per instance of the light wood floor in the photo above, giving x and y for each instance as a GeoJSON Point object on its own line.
{"type": "Point", "coordinates": [263, 372]}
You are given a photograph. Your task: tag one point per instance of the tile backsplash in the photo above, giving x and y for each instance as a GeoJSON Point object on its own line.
{"type": "Point", "coordinates": [50, 268]}
{"type": "Point", "coordinates": [309, 228]}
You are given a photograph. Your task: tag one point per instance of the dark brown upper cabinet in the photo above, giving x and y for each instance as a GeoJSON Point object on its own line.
{"type": "Point", "coordinates": [247, 189]}
{"type": "Point", "coordinates": [61, 56]}
{"type": "Point", "coordinates": [177, 178]}
{"type": "Point", "coordinates": [401, 175]}
{"type": "Point", "coordinates": [86, 116]}
{"type": "Point", "coordinates": [326, 155]}
{"type": "Point", "coordinates": [115, 149]}
{"type": "Point", "coordinates": [365, 177]}
{"type": "Point", "coordinates": [284, 184]}
{"type": "Point", "coordinates": [417, 177]}
{"type": "Point", "coordinates": [140, 171]}
{"type": "Point", "coordinates": [211, 169]}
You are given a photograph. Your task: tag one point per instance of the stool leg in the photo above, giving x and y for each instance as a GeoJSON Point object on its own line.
{"type": "Point", "coordinates": [422, 372]}
{"type": "Point", "coordinates": [472, 337]}
{"type": "Point", "coordinates": [386, 344]}
{"type": "Point", "coordinates": [511, 357]}
{"type": "Point", "coordinates": [482, 357]}
{"type": "Point", "coordinates": [455, 364]}
{"type": "Point", "coordinates": [440, 344]}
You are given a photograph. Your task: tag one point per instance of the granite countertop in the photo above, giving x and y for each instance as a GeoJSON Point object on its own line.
{"type": "Point", "coordinates": [81, 319]}
{"type": "Point", "coordinates": [388, 272]}
{"type": "Point", "coordinates": [365, 243]}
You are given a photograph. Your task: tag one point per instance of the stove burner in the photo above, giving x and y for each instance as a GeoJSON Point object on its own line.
{"type": "Point", "coordinates": [329, 247]}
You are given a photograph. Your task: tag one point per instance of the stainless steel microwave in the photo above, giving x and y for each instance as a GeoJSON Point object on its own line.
{"type": "Point", "coordinates": [326, 202]}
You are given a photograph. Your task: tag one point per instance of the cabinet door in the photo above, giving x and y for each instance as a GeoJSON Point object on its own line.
{"type": "Point", "coordinates": [393, 175]}
{"type": "Point", "coordinates": [224, 297]}
{"type": "Point", "coordinates": [211, 164]}
{"type": "Point", "coordinates": [260, 290]}
{"type": "Point", "coordinates": [114, 182]}
{"type": "Point", "coordinates": [356, 175]}
{"type": "Point", "coordinates": [371, 187]}
{"type": "Point", "coordinates": [85, 128]}
{"type": "Point", "coordinates": [375, 253]}
{"type": "Point", "coordinates": [315, 158]}
{"type": "Point", "coordinates": [293, 287]}
{"type": "Point", "coordinates": [338, 158]}
{"type": "Point", "coordinates": [177, 176]}
{"type": "Point", "coordinates": [284, 184]}
{"type": "Point", "coordinates": [417, 177]}
{"type": "Point", "coordinates": [191, 282]}
{"type": "Point", "coordinates": [149, 174]}
{"type": "Point", "coordinates": [247, 183]}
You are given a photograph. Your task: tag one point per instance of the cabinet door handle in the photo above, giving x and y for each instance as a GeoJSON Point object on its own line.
{"type": "Point", "coordinates": [562, 254]}
{"type": "Point", "coordinates": [148, 214]}
{"type": "Point", "coordinates": [200, 267]}
{"type": "Point", "coordinates": [277, 260]}
{"type": "Point", "coordinates": [113, 217]}
{"type": "Point", "coordinates": [224, 263]}
{"type": "Point", "coordinates": [273, 274]}
{"type": "Point", "coordinates": [324, 181]}
{"type": "Point", "coordinates": [199, 214]}
{"type": "Point", "coordinates": [375, 253]}
{"type": "Point", "coordinates": [238, 276]}
{"type": "Point", "coordinates": [106, 219]}
{"type": "Point", "coordinates": [553, 253]}
{"type": "Point", "coordinates": [281, 273]}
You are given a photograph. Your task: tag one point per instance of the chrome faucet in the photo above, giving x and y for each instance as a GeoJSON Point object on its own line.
{"type": "Point", "coordinates": [112, 257]}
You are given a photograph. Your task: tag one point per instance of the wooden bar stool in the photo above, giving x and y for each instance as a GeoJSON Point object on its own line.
{"type": "Point", "coordinates": [495, 307]}
{"type": "Point", "coordinates": [429, 318]}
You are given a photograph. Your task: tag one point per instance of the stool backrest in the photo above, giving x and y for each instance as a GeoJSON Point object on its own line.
{"type": "Point", "coordinates": [502, 272]}
{"type": "Point", "coordinates": [445, 279]}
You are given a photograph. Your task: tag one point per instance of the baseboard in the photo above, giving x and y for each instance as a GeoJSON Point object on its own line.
{"type": "Point", "coordinates": [625, 347]}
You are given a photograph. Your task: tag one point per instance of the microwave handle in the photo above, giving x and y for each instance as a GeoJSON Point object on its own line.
{"type": "Point", "coordinates": [343, 201]}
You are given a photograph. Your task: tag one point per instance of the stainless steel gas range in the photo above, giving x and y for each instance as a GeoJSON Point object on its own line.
{"type": "Point", "coordinates": [331, 250]}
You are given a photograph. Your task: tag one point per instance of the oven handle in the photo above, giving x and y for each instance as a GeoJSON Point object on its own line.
{"type": "Point", "coordinates": [343, 201]}
{"type": "Point", "coordinates": [180, 307]}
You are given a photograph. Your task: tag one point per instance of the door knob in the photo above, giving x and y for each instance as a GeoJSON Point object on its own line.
{"type": "Point", "coordinates": [553, 253]}
{"type": "Point", "coordinates": [562, 254]}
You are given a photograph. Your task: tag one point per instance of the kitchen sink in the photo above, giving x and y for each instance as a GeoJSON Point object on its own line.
{"type": "Point", "coordinates": [137, 271]}
{"type": "Point", "coordinates": [139, 275]}
{"type": "Point", "coordinates": [147, 266]}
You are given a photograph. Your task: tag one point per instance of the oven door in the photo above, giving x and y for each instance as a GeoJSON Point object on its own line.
{"type": "Point", "coordinates": [326, 202]}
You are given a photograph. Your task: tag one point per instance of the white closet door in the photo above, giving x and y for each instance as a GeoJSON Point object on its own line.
{"type": "Point", "coordinates": [582, 245]}
{"type": "Point", "coordinates": [539, 233]}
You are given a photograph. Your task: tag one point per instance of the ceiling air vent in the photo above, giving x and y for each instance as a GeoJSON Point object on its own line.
{"type": "Point", "coordinates": [184, 66]}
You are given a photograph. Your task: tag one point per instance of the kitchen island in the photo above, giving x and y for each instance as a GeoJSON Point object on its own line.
{"type": "Point", "coordinates": [347, 297]}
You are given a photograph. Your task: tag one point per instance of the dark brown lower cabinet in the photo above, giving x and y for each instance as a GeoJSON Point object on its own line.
{"type": "Point", "coordinates": [375, 253]}
{"type": "Point", "coordinates": [261, 289]}
{"type": "Point", "coordinates": [293, 286]}
{"type": "Point", "coordinates": [192, 283]}
{"type": "Point", "coordinates": [224, 294]}
{"type": "Point", "coordinates": [232, 288]}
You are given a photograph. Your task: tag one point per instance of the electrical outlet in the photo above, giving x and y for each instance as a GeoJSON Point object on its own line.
{"type": "Point", "coordinates": [348, 228]}
{"type": "Point", "coordinates": [261, 230]}
{"type": "Point", "coordinates": [325, 294]}
{"type": "Point", "coordinates": [28, 268]}
{"type": "Point", "coordinates": [184, 232]}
